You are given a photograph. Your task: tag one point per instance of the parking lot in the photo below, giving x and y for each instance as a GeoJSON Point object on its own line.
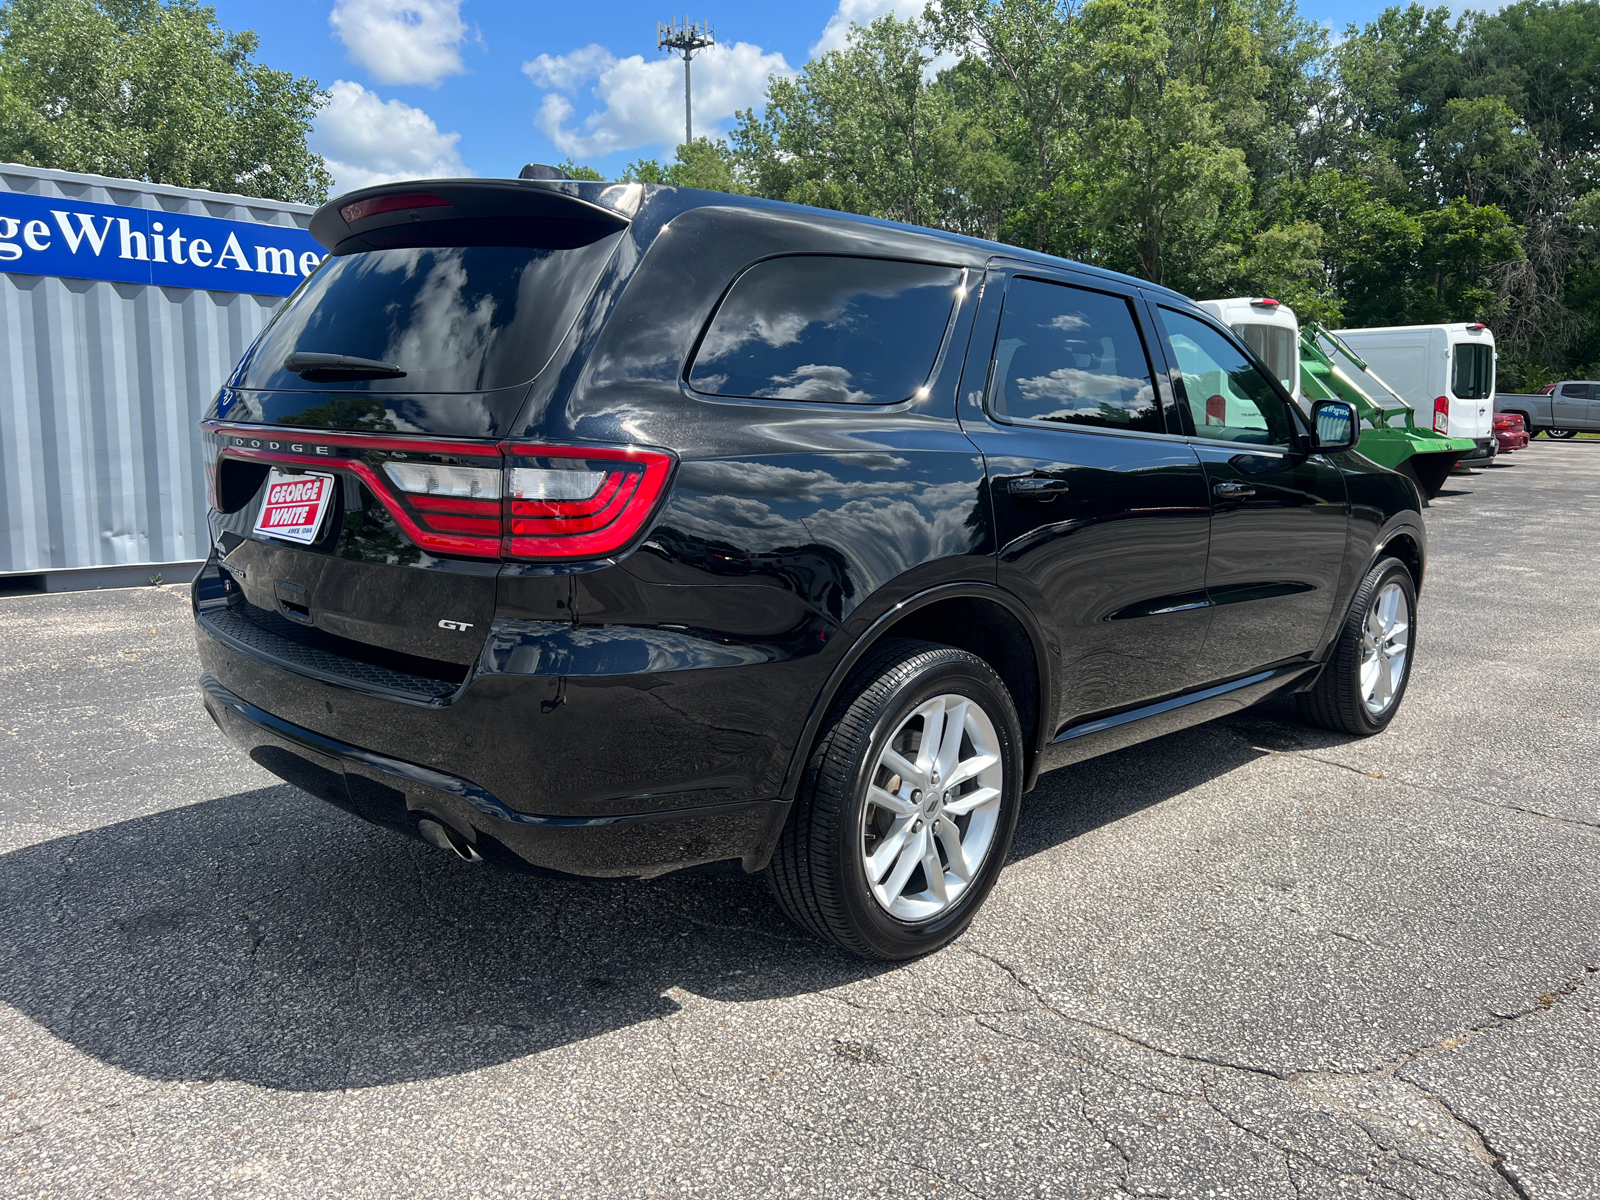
{"type": "Point", "coordinates": [1251, 959]}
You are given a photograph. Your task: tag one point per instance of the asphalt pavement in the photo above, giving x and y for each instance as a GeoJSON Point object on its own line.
{"type": "Point", "coordinates": [1250, 959]}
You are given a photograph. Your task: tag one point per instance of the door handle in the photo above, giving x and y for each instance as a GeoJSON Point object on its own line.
{"type": "Point", "coordinates": [1039, 488]}
{"type": "Point", "coordinates": [1233, 491]}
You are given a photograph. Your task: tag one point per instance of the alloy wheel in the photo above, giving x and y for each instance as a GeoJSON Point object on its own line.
{"type": "Point", "coordinates": [1385, 643]}
{"type": "Point", "coordinates": [932, 808]}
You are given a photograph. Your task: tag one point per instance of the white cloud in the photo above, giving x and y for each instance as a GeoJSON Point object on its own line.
{"type": "Point", "coordinates": [366, 140]}
{"type": "Point", "coordinates": [641, 103]}
{"type": "Point", "coordinates": [861, 12]}
{"type": "Point", "coordinates": [402, 41]}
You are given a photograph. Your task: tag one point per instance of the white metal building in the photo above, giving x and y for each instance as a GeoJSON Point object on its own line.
{"type": "Point", "coordinates": [123, 307]}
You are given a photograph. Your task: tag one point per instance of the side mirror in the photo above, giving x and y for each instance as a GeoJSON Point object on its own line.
{"type": "Point", "coordinates": [1334, 426]}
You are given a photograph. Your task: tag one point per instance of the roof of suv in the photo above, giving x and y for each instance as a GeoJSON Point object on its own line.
{"type": "Point", "coordinates": [345, 223]}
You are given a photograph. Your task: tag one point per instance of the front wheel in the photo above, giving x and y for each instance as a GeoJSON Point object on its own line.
{"type": "Point", "coordinates": [1360, 689]}
{"type": "Point", "coordinates": [905, 816]}
{"type": "Point", "coordinates": [1561, 434]}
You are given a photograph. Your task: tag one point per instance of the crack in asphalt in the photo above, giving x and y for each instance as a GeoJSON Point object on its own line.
{"type": "Point", "coordinates": [664, 1024]}
{"type": "Point", "coordinates": [1473, 1138]}
{"type": "Point", "coordinates": [1586, 826]}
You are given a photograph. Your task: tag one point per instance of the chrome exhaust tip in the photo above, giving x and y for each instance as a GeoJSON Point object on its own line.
{"type": "Point", "coordinates": [446, 838]}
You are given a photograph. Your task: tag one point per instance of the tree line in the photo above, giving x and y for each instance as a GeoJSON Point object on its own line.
{"type": "Point", "coordinates": [1421, 168]}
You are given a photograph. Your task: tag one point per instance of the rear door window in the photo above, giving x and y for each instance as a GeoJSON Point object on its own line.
{"type": "Point", "coordinates": [1580, 391]}
{"type": "Point", "coordinates": [827, 328]}
{"type": "Point", "coordinates": [1473, 378]}
{"type": "Point", "coordinates": [1071, 356]}
{"type": "Point", "coordinates": [453, 318]}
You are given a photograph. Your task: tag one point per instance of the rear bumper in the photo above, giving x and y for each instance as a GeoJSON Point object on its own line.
{"type": "Point", "coordinates": [1484, 447]}
{"type": "Point", "coordinates": [597, 751]}
{"type": "Point", "coordinates": [401, 795]}
{"type": "Point", "coordinates": [1511, 441]}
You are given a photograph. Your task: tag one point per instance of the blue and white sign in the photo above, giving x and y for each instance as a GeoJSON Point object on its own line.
{"type": "Point", "coordinates": [42, 235]}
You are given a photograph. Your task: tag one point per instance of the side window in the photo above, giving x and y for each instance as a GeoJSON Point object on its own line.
{"type": "Point", "coordinates": [1227, 396]}
{"type": "Point", "coordinates": [1277, 347]}
{"type": "Point", "coordinates": [1578, 390]}
{"type": "Point", "coordinates": [1474, 372]}
{"type": "Point", "coordinates": [1069, 355]}
{"type": "Point", "coordinates": [827, 328]}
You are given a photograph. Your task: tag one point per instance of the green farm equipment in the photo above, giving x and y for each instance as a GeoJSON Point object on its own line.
{"type": "Point", "coordinates": [1390, 435]}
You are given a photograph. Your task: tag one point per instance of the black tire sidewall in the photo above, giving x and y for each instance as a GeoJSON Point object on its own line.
{"type": "Point", "coordinates": [966, 676]}
{"type": "Point", "coordinates": [1387, 571]}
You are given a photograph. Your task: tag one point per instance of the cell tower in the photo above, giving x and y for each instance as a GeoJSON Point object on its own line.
{"type": "Point", "coordinates": [685, 38]}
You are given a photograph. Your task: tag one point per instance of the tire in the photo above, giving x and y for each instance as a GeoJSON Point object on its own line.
{"type": "Point", "coordinates": [1342, 698]}
{"type": "Point", "coordinates": [1561, 434]}
{"type": "Point", "coordinates": [819, 871]}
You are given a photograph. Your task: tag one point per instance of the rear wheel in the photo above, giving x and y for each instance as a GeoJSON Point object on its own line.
{"type": "Point", "coordinates": [1561, 434]}
{"type": "Point", "coordinates": [1360, 689]}
{"type": "Point", "coordinates": [905, 816]}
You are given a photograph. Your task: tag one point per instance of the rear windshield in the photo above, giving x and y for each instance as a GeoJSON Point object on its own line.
{"type": "Point", "coordinates": [453, 318]}
{"type": "Point", "coordinates": [1474, 372]}
{"type": "Point", "coordinates": [826, 328]}
{"type": "Point", "coordinates": [1275, 346]}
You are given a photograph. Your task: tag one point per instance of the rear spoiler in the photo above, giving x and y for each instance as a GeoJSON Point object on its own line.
{"type": "Point", "coordinates": [471, 212]}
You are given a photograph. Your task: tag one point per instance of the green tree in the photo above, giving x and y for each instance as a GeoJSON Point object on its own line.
{"type": "Point", "coordinates": [858, 129]}
{"type": "Point", "coordinates": [1164, 193]}
{"type": "Point", "coordinates": [710, 166]}
{"type": "Point", "coordinates": [153, 90]}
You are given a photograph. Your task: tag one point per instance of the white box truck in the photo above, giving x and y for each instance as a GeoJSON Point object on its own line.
{"type": "Point", "coordinates": [1445, 372]}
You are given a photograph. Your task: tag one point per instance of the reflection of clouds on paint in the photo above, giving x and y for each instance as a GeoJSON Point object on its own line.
{"type": "Point", "coordinates": [765, 479]}
{"type": "Point", "coordinates": [552, 649]}
{"type": "Point", "coordinates": [882, 529]}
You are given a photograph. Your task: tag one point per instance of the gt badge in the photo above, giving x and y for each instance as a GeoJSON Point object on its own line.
{"type": "Point", "coordinates": [458, 626]}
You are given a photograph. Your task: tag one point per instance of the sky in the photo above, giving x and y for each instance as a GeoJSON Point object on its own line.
{"type": "Point", "coordinates": [440, 88]}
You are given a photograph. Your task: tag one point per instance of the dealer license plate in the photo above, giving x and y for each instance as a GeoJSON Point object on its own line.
{"type": "Point", "coordinates": [294, 506]}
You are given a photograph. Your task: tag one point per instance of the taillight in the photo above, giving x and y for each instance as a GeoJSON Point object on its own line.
{"type": "Point", "coordinates": [567, 502]}
{"type": "Point", "coordinates": [394, 202]}
{"type": "Point", "coordinates": [1216, 411]}
{"type": "Point", "coordinates": [490, 500]}
{"type": "Point", "coordinates": [1441, 415]}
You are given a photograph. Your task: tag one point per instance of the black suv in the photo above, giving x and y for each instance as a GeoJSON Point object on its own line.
{"type": "Point", "coordinates": [616, 529]}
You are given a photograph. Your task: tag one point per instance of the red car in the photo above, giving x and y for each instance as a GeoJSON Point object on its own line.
{"type": "Point", "coordinates": [1510, 431]}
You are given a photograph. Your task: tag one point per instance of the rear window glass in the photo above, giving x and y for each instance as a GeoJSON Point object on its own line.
{"type": "Point", "coordinates": [1071, 356]}
{"type": "Point", "coordinates": [1582, 391]}
{"type": "Point", "coordinates": [453, 318]}
{"type": "Point", "coordinates": [1275, 346]}
{"type": "Point", "coordinates": [1474, 372]}
{"type": "Point", "coordinates": [824, 328]}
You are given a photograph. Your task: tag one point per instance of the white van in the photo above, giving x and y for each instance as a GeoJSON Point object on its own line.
{"type": "Point", "coordinates": [1269, 327]}
{"type": "Point", "coordinates": [1445, 372]}
{"type": "Point", "coordinates": [1271, 330]}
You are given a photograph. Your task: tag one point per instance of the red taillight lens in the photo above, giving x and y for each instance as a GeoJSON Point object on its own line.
{"type": "Point", "coordinates": [1216, 411]}
{"type": "Point", "coordinates": [362, 209]}
{"type": "Point", "coordinates": [482, 499]}
{"type": "Point", "coordinates": [571, 502]}
{"type": "Point", "coordinates": [1441, 415]}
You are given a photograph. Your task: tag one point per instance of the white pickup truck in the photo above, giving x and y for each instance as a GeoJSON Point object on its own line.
{"type": "Point", "coordinates": [1569, 408]}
